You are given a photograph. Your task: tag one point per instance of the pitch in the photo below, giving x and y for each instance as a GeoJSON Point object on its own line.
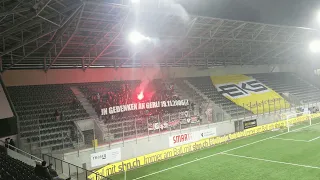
{"type": "Point", "coordinates": [277, 155]}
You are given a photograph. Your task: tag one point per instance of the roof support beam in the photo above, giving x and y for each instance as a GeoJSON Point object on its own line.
{"type": "Point", "coordinates": [230, 40]}
{"type": "Point", "coordinates": [256, 58]}
{"type": "Point", "coordinates": [239, 32]}
{"type": "Point", "coordinates": [14, 11]}
{"type": "Point", "coordinates": [24, 57]}
{"type": "Point", "coordinates": [21, 24]}
{"type": "Point", "coordinates": [128, 59]}
{"type": "Point", "coordinates": [182, 39]}
{"type": "Point", "coordinates": [111, 42]}
{"type": "Point", "coordinates": [285, 50]}
{"type": "Point", "coordinates": [101, 39]}
{"type": "Point", "coordinates": [269, 51]}
{"type": "Point", "coordinates": [29, 40]}
{"type": "Point", "coordinates": [73, 16]}
{"type": "Point", "coordinates": [237, 39]}
{"type": "Point", "coordinates": [101, 53]}
{"type": "Point", "coordinates": [16, 6]}
{"type": "Point", "coordinates": [202, 44]}
{"type": "Point", "coordinates": [262, 28]}
{"type": "Point", "coordinates": [44, 6]}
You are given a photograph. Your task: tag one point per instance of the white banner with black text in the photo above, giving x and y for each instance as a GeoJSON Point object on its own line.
{"type": "Point", "coordinates": [105, 157]}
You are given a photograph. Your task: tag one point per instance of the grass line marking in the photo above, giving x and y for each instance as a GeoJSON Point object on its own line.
{"type": "Point", "coordinates": [272, 161]}
{"type": "Point", "coordinates": [284, 139]}
{"type": "Point", "coordinates": [245, 145]}
{"type": "Point", "coordinates": [314, 139]}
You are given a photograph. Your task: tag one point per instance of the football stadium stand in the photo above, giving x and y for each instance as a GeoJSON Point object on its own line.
{"type": "Point", "coordinates": [291, 83]}
{"type": "Point", "coordinates": [13, 169]}
{"type": "Point", "coordinates": [36, 107]}
{"type": "Point", "coordinates": [204, 84]}
{"type": "Point", "coordinates": [132, 124]}
{"type": "Point", "coordinates": [89, 96]}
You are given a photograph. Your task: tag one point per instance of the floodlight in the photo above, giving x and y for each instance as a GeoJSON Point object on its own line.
{"type": "Point", "coordinates": [314, 46]}
{"type": "Point", "coordinates": [318, 17]}
{"type": "Point", "coordinates": [135, 1]}
{"type": "Point", "coordinates": [136, 37]}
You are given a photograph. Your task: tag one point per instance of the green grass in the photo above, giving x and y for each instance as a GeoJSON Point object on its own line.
{"type": "Point", "coordinates": [271, 159]}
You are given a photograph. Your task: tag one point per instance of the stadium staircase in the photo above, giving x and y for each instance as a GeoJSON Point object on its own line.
{"type": "Point", "coordinates": [84, 102]}
{"type": "Point", "coordinates": [184, 92]}
{"type": "Point", "coordinates": [202, 101]}
{"type": "Point", "coordinates": [228, 108]}
{"type": "Point", "coordinates": [98, 126]}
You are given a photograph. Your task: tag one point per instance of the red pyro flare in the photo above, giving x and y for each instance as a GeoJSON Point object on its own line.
{"type": "Point", "coordinates": [140, 95]}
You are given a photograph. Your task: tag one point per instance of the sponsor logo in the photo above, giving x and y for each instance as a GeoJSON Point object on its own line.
{"type": "Point", "coordinates": [242, 89]}
{"type": "Point", "coordinates": [208, 133]}
{"type": "Point", "coordinates": [105, 157]}
{"type": "Point", "coordinates": [185, 138]}
{"type": "Point", "coordinates": [250, 124]}
{"type": "Point", "coordinates": [182, 138]}
{"type": "Point", "coordinates": [190, 147]}
{"type": "Point", "coordinates": [101, 156]}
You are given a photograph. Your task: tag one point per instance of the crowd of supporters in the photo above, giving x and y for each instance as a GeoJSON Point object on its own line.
{"type": "Point", "coordinates": [42, 170]}
{"type": "Point", "coordinates": [128, 92]}
{"type": "Point", "coordinates": [9, 143]}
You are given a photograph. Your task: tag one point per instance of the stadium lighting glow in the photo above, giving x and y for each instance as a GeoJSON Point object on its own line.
{"type": "Point", "coordinates": [136, 37]}
{"type": "Point", "coordinates": [135, 1]}
{"type": "Point", "coordinates": [318, 17]}
{"type": "Point", "coordinates": [314, 46]}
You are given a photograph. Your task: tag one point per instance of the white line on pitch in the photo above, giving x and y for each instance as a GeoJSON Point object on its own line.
{"type": "Point", "coordinates": [267, 160]}
{"type": "Point", "coordinates": [314, 139]}
{"type": "Point", "coordinates": [284, 139]}
{"type": "Point", "coordinates": [179, 165]}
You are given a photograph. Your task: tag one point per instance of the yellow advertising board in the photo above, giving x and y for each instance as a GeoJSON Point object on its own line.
{"type": "Point", "coordinates": [249, 93]}
{"type": "Point", "coordinates": [133, 163]}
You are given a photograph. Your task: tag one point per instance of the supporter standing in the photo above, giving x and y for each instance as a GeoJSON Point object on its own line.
{"type": "Point", "coordinates": [12, 144]}
{"type": "Point", "coordinates": [53, 173]}
{"type": "Point", "coordinates": [41, 170]}
{"type": "Point", "coordinates": [98, 97]}
{"type": "Point", "coordinates": [57, 115]}
{"type": "Point", "coordinates": [7, 143]}
{"type": "Point", "coordinates": [38, 169]}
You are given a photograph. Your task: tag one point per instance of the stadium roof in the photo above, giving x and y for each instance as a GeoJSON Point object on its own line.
{"type": "Point", "coordinates": [85, 34]}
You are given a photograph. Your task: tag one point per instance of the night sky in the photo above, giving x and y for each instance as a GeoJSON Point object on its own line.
{"type": "Point", "coordinates": [281, 12]}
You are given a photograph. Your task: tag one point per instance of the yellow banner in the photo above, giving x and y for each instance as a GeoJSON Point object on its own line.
{"type": "Point", "coordinates": [249, 93]}
{"type": "Point", "coordinates": [155, 157]}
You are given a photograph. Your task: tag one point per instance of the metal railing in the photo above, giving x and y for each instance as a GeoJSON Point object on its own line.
{"type": "Point", "coordinates": [145, 126]}
{"type": "Point", "coordinates": [70, 170]}
{"type": "Point", "coordinates": [13, 148]}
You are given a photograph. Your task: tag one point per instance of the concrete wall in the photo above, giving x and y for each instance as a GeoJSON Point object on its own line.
{"type": "Point", "coordinates": [22, 158]}
{"type": "Point", "coordinates": [86, 124]}
{"type": "Point", "coordinates": [62, 76]}
{"type": "Point", "coordinates": [153, 143]}
{"type": "Point", "coordinates": [142, 146]}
